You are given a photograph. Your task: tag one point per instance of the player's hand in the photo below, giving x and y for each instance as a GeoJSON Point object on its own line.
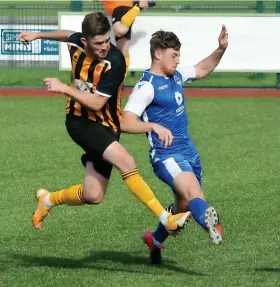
{"type": "Point", "coordinates": [54, 85]}
{"type": "Point", "coordinates": [164, 134]}
{"type": "Point", "coordinates": [27, 36]}
{"type": "Point", "coordinates": [143, 4]}
{"type": "Point", "coordinates": [223, 38]}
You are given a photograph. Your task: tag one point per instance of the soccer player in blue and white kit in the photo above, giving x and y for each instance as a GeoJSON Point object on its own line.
{"type": "Point", "coordinates": [158, 100]}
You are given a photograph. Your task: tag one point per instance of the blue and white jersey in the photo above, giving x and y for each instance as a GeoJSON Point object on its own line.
{"type": "Point", "coordinates": [160, 100]}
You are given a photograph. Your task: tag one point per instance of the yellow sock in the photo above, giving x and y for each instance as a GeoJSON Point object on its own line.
{"type": "Point", "coordinates": [127, 61]}
{"type": "Point", "coordinates": [128, 18]}
{"type": "Point", "coordinates": [141, 190]}
{"type": "Point", "coordinates": [70, 196]}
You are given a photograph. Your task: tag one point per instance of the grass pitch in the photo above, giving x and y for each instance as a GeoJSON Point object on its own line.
{"type": "Point", "coordinates": [238, 140]}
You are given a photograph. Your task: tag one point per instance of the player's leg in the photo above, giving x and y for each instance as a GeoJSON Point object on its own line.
{"type": "Point", "coordinates": [96, 180]}
{"type": "Point", "coordinates": [189, 196]}
{"type": "Point", "coordinates": [166, 172]}
{"type": "Point", "coordinates": [187, 187]}
{"type": "Point", "coordinates": [90, 192]}
{"type": "Point", "coordinates": [197, 205]}
{"type": "Point", "coordinates": [123, 16]}
{"type": "Point", "coordinates": [118, 156]}
{"type": "Point", "coordinates": [97, 174]}
{"type": "Point", "coordinates": [184, 178]}
{"type": "Point", "coordinates": [123, 44]}
{"type": "Point", "coordinates": [122, 19]}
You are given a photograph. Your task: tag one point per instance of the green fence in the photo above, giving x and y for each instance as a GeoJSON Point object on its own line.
{"type": "Point", "coordinates": [37, 14]}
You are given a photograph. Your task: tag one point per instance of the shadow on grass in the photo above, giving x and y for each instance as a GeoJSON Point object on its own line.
{"type": "Point", "coordinates": [100, 260]}
{"type": "Point", "coordinates": [268, 269]}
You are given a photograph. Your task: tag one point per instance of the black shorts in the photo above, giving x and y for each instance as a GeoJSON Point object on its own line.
{"type": "Point", "coordinates": [93, 138]}
{"type": "Point", "coordinates": [117, 15]}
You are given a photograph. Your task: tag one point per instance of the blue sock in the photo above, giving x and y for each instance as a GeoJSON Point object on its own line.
{"type": "Point", "coordinates": [197, 207]}
{"type": "Point", "coordinates": [161, 233]}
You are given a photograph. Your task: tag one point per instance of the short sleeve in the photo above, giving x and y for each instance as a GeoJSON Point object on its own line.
{"type": "Point", "coordinates": [75, 40]}
{"type": "Point", "coordinates": [142, 95]}
{"type": "Point", "coordinates": [188, 73]}
{"type": "Point", "coordinates": [112, 78]}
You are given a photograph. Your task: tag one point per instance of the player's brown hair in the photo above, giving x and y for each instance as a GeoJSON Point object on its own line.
{"type": "Point", "coordinates": [95, 24]}
{"type": "Point", "coordinates": [162, 40]}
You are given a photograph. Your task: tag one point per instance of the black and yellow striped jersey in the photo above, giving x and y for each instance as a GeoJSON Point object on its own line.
{"type": "Point", "coordinates": [104, 77]}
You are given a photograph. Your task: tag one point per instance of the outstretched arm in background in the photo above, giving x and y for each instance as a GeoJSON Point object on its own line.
{"type": "Point", "coordinates": [58, 35]}
{"type": "Point", "coordinates": [208, 65]}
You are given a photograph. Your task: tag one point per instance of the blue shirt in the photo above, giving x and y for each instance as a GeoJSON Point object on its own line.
{"type": "Point", "coordinates": [160, 100]}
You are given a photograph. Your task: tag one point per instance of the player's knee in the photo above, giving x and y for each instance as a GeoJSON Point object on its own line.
{"type": "Point", "coordinates": [93, 199]}
{"type": "Point", "coordinates": [119, 33]}
{"type": "Point", "coordinates": [120, 30]}
{"type": "Point", "coordinates": [93, 196]}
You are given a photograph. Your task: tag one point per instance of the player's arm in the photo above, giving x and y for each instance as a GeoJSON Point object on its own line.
{"type": "Point", "coordinates": [92, 101]}
{"type": "Point", "coordinates": [108, 85]}
{"type": "Point", "coordinates": [207, 65]}
{"type": "Point", "coordinates": [140, 98]}
{"type": "Point", "coordinates": [142, 95]}
{"type": "Point", "coordinates": [57, 35]}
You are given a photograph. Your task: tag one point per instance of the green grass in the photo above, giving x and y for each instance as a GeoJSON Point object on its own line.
{"type": "Point", "coordinates": [17, 77]}
{"type": "Point", "coordinates": [238, 140]}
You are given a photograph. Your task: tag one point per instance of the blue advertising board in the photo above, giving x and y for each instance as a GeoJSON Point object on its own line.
{"type": "Point", "coordinates": [12, 48]}
{"type": "Point", "coordinates": [11, 45]}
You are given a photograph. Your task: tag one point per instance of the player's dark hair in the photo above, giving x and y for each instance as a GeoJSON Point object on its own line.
{"type": "Point", "coordinates": [162, 40]}
{"type": "Point", "coordinates": [95, 24]}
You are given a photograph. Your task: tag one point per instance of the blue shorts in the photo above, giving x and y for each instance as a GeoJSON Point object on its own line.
{"type": "Point", "coordinates": [168, 166]}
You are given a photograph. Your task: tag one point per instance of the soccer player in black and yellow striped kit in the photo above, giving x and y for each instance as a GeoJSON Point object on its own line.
{"type": "Point", "coordinates": [93, 114]}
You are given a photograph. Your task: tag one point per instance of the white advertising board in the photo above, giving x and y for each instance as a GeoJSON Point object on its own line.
{"type": "Point", "coordinates": [253, 42]}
